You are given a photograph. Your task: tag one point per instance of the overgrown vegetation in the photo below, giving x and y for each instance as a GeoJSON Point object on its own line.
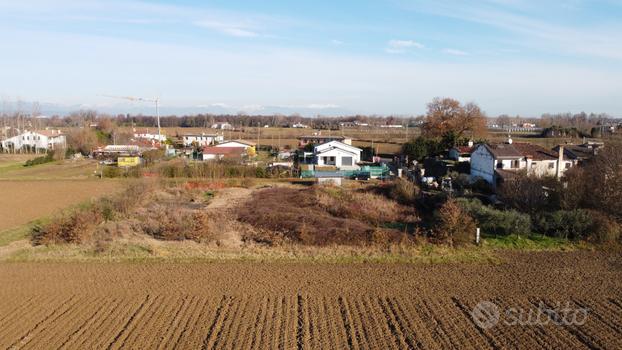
{"type": "Point", "coordinates": [163, 213]}
{"type": "Point", "coordinates": [327, 215]}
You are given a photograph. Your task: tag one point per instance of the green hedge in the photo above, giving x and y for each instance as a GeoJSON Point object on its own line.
{"type": "Point", "coordinates": [496, 222]}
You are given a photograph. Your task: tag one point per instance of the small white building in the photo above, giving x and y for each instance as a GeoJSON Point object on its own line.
{"type": "Point", "coordinates": [237, 143]}
{"type": "Point", "coordinates": [149, 135]}
{"type": "Point", "coordinates": [338, 154]}
{"type": "Point", "coordinates": [201, 140]}
{"type": "Point", "coordinates": [41, 139]}
{"type": "Point", "coordinates": [461, 153]}
{"type": "Point", "coordinates": [222, 126]}
{"type": "Point", "coordinates": [300, 126]}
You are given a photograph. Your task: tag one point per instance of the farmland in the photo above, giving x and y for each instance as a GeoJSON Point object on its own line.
{"type": "Point", "coordinates": [30, 193]}
{"type": "Point", "coordinates": [306, 306]}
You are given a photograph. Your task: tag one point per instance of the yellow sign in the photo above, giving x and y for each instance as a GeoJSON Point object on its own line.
{"type": "Point", "coordinates": [128, 161]}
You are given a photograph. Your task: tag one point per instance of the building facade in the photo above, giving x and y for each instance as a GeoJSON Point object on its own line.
{"type": "Point", "coordinates": [40, 140]}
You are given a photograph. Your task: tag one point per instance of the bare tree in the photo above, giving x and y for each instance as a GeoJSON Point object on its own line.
{"type": "Point", "coordinates": [446, 115]}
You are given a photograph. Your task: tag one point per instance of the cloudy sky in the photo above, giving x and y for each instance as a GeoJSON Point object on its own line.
{"type": "Point", "coordinates": [386, 57]}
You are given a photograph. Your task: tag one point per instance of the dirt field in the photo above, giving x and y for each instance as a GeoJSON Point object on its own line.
{"type": "Point", "coordinates": [24, 201]}
{"type": "Point", "coordinates": [307, 306]}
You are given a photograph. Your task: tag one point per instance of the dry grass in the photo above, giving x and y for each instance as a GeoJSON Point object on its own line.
{"type": "Point", "coordinates": [325, 215]}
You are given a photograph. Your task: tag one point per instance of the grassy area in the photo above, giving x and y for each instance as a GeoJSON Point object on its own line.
{"type": "Point", "coordinates": [14, 234]}
{"type": "Point", "coordinates": [157, 251]}
{"type": "Point", "coordinates": [533, 242]}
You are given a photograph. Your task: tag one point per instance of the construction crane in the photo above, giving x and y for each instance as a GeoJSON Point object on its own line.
{"type": "Point", "coordinates": [140, 99]}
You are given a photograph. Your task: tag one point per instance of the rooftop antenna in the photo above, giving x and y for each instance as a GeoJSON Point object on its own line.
{"type": "Point", "coordinates": [140, 99]}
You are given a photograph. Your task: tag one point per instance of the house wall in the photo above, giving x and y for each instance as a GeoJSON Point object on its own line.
{"type": "Point", "coordinates": [339, 154]}
{"type": "Point", "coordinates": [202, 140]}
{"type": "Point", "coordinates": [483, 164]}
{"type": "Point", "coordinates": [33, 139]}
{"type": "Point", "coordinates": [548, 167]}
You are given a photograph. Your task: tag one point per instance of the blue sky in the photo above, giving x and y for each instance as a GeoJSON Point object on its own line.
{"type": "Point", "coordinates": [321, 57]}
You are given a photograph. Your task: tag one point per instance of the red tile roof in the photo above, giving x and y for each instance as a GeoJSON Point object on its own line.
{"type": "Point", "coordinates": [535, 152]}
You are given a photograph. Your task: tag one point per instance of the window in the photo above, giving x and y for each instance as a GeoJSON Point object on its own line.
{"type": "Point", "coordinates": [347, 161]}
{"type": "Point", "coordinates": [515, 164]}
{"type": "Point", "coordinates": [567, 165]}
{"type": "Point", "coordinates": [551, 165]}
{"type": "Point", "coordinates": [500, 165]}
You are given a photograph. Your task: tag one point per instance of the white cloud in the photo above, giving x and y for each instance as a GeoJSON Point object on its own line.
{"type": "Point", "coordinates": [455, 52]}
{"type": "Point", "coordinates": [336, 42]}
{"type": "Point", "coordinates": [601, 41]}
{"type": "Point", "coordinates": [232, 29]}
{"type": "Point", "coordinates": [400, 46]}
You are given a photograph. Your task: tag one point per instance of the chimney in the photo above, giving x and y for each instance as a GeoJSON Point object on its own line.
{"type": "Point", "coordinates": [560, 161]}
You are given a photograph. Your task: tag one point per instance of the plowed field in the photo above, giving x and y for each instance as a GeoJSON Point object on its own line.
{"type": "Point", "coordinates": [307, 306]}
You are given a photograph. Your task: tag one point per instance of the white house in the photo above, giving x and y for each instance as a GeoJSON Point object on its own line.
{"type": "Point", "coordinates": [338, 154]}
{"type": "Point", "coordinates": [319, 139]}
{"type": "Point", "coordinates": [222, 126]}
{"type": "Point", "coordinates": [201, 139]}
{"type": "Point", "coordinates": [461, 153]}
{"type": "Point", "coordinates": [42, 139]}
{"type": "Point", "coordinates": [497, 161]}
{"type": "Point", "coordinates": [149, 135]}
{"type": "Point", "coordinates": [237, 143]}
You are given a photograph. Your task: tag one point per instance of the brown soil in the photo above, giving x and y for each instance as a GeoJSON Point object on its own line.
{"type": "Point", "coordinates": [306, 306]}
{"type": "Point", "coordinates": [24, 201]}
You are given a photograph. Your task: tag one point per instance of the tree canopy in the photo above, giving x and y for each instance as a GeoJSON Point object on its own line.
{"type": "Point", "coordinates": [447, 115]}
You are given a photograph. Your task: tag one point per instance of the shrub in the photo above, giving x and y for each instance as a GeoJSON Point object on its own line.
{"type": "Point", "coordinates": [404, 191]}
{"type": "Point", "coordinates": [320, 216]}
{"type": "Point", "coordinates": [80, 224]}
{"type": "Point", "coordinates": [49, 157]}
{"type": "Point", "coordinates": [76, 227]}
{"type": "Point", "coordinates": [604, 229]}
{"type": "Point", "coordinates": [569, 224]}
{"type": "Point", "coordinates": [167, 222]}
{"type": "Point", "coordinates": [496, 222]}
{"type": "Point", "coordinates": [111, 172]}
{"type": "Point", "coordinates": [454, 225]}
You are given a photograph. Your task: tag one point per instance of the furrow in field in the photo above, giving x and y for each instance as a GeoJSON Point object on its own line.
{"type": "Point", "coordinates": [151, 324]}
{"type": "Point", "coordinates": [57, 333]}
{"type": "Point", "coordinates": [348, 324]}
{"type": "Point", "coordinates": [215, 330]}
{"type": "Point", "coordinates": [49, 318]}
{"type": "Point", "coordinates": [90, 325]}
{"type": "Point", "coordinates": [570, 331]}
{"type": "Point", "coordinates": [130, 325]}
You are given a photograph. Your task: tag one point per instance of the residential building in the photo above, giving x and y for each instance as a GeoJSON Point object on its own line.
{"type": "Point", "coordinates": [300, 126]}
{"type": "Point", "coordinates": [337, 154]}
{"type": "Point", "coordinates": [495, 162]}
{"type": "Point", "coordinates": [461, 153]}
{"type": "Point", "coordinates": [149, 135]}
{"type": "Point", "coordinates": [201, 140]}
{"type": "Point", "coordinates": [580, 153]}
{"type": "Point", "coordinates": [41, 139]}
{"type": "Point", "coordinates": [237, 143]}
{"type": "Point", "coordinates": [319, 139]}
{"type": "Point", "coordinates": [219, 153]}
{"type": "Point", "coordinates": [222, 126]}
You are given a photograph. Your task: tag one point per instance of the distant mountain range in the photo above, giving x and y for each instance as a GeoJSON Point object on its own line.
{"type": "Point", "coordinates": [145, 108]}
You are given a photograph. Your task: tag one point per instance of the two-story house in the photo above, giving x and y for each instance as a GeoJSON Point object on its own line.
{"type": "Point", "coordinates": [493, 162]}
